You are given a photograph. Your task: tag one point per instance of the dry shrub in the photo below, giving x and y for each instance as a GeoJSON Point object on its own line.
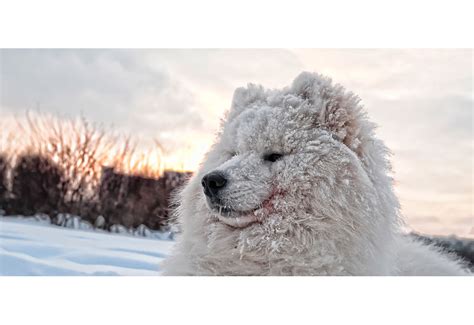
{"type": "Point", "coordinates": [36, 186]}
{"type": "Point", "coordinates": [76, 147]}
{"type": "Point", "coordinates": [85, 146]}
{"type": "Point", "coordinates": [79, 150]}
{"type": "Point", "coordinates": [134, 200]}
{"type": "Point", "coordinates": [128, 158]}
{"type": "Point", "coordinates": [3, 180]}
{"type": "Point", "coordinates": [5, 163]}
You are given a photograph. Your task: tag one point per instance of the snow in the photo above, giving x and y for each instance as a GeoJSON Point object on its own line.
{"type": "Point", "coordinates": [32, 246]}
{"type": "Point", "coordinates": [29, 247]}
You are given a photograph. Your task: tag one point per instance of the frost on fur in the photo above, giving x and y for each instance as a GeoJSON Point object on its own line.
{"type": "Point", "coordinates": [322, 205]}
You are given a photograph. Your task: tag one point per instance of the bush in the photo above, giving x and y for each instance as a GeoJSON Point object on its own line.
{"type": "Point", "coordinates": [36, 186]}
{"type": "Point", "coordinates": [132, 201]}
{"type": "Point", "coordinates": [80, 149]}
{"type": "Point", "coordinates": [63, 166]}
{"type": "Point", "coordinates": [3, 181]}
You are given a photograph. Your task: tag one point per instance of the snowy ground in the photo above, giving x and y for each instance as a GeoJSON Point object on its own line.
{"type": "Point", "coordinates": [34, 248]}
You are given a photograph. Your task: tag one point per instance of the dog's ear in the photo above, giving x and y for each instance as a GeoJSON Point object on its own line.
{"type": "Point", "coordinates": [245, 97]}
{"type": "Point", "coordinates": [334, 109]}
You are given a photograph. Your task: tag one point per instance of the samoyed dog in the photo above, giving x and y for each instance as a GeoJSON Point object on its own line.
{"type": "Point", "coordinates": [297, 184]}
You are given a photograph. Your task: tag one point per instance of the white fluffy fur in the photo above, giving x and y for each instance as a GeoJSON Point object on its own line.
{"type": "Point", "coordinates": [327, 207]}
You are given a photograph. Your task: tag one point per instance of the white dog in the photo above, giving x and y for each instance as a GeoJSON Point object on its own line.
{"type": "Point", "coordinates": [297, 184]}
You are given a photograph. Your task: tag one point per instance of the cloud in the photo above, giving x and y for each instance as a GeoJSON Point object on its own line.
{"type": "Point", "coordinates": [109, 86]}
{"type": "Point", "coordinates": [175, 95]}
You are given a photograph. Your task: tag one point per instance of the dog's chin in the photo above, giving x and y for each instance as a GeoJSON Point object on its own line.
{"type": "Point", "coordinates": [236, 219]}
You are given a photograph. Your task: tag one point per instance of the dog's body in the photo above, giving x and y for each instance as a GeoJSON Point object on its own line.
{"type": "Point", "coordinates": [297, 184]}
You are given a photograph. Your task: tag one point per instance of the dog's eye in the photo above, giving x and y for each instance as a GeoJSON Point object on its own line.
{"type": "Point", "coordinates": [272, 157]}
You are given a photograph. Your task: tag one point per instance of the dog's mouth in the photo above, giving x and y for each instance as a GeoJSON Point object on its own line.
{"type": "Point", "coordinates": [242, 219]}
{"type": "Point", "coordinates": [234, 218]}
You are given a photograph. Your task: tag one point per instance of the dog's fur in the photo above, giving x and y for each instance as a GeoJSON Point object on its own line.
{"type": "Point", "coordinates": [327, 207]}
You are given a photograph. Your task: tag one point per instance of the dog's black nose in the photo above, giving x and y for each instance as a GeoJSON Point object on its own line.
{"type": "Point", "coordinates": [212, 183]}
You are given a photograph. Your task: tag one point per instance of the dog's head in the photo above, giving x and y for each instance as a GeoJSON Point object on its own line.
{"type": "Point", "coordinates": [303, 157]}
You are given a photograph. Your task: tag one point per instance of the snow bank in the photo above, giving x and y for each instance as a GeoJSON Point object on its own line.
{"type": "Point", "coordinates": [29, 247]}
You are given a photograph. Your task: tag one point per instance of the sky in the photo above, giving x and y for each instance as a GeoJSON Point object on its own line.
{"type": "Point", "coordinates": [422, 100]}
